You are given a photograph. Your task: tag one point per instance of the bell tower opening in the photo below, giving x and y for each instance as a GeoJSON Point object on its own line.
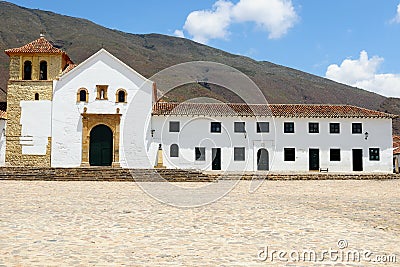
{"type": "Point", "coordinates": [27, 70]}
{"type": "Point", "coordinates": [43, 70]}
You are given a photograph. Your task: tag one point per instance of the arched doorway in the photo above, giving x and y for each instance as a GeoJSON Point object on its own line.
{"type": "Point", "coordinates": [101, 146]}
{"type": "Point", "coordinates": [262, 160]}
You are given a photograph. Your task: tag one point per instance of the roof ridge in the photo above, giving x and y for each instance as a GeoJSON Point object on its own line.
{"type": "Point", "coordinates": [276, 110]}
{"type": "Point", "coordinates": [275, 104]}
{"type": "Point", "coordinates": [269, 104]}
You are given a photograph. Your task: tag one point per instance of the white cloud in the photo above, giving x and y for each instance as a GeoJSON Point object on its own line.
{"type": "Point", "coordinates": [274, 16]}
{"type": "Point", "coordinates": [397, 18]}
{"type": "Point", "coordinates": [362, 73]}
{"type": "Point", "coordinates": [352, 71]}
{"type": "Point", "coordinates": [179, 33]}
{"type": "Point", "coordinates": [209, 24]}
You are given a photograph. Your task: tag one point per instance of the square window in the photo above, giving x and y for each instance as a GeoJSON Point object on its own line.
{"type": "Point", "coordinates": [356, 128]}
{"type": "Point", "coordinates": [374, 154]}
{"type": "Point", "coordinates": [288, 127]}
{"type": "Point", "coordinates": [240, 127]}
{"type": "Point", "coordinates": [335, 154]}
{"type": "Point", "coordinates": [215, 127]}
{"type": "Point", "coordinates": [334, 128]}
{"type": "Point", "coordinates": [262, 127]}
{"type": "Point", "coordinates": [313, 127]}
{"type": "Point", "coordinates": [174, 126]}
{"type": "Point", "coordinates": [290, 154]}
{"type": "Point", "coordinates": [200, 153]}
{"type": "Point", "coordinates": [239, 154]}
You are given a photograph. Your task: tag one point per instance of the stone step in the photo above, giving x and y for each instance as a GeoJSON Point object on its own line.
{"type": "Point", "coordinates": [102, 174]}
{"type": "Point", "coordinates": [324, 176]}
{"type": "Point", "coordinates": [170, 175]}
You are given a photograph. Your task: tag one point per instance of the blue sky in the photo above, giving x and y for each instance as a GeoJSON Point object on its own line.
{"type": "Point", "coordinates": [351, 41]}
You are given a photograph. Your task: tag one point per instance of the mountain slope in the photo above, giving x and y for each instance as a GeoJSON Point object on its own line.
{"type": "Point", "coordinates": [151, 53]}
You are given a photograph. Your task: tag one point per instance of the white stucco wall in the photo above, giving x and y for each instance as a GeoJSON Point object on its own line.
{"type": "Point", "coordinates": [138, 148]}
{"type": "Point", "coordinates": [136, 131]}
{"type": "Point", "coordinates": [195, 132]}
{"type": "Point", "coordinates": [100, 69]}
{"type": "Point", "coordinates": [36, 126]}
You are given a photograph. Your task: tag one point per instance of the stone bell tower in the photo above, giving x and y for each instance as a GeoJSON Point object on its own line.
{"type": "Point", "coordinates": [33, 67]}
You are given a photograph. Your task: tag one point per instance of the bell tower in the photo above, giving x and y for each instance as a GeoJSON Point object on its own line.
{"type": "Point", "coordinates": [33, 67]}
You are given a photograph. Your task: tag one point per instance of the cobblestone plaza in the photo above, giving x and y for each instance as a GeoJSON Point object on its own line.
{"type": "Point", "coordinates": [117, 224]}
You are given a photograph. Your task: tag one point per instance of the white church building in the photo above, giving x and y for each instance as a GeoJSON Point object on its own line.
{"type": "Point", "coordinates": [103, 113]}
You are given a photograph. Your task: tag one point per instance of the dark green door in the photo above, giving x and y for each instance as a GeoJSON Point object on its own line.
{"type": "Point", "coordinates": [314, 159]}
{"type": "Point", "coordinates": [101, 146]}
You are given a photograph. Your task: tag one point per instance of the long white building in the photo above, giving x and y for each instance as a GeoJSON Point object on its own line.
{"type": "Point", "coordinates": [103, 113]}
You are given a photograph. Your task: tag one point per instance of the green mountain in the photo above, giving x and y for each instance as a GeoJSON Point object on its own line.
{"type": "Point", "coordinates": [150, 53]}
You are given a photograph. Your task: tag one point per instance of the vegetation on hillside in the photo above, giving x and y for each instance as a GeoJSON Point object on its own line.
{"type": "Point", "coordinates": [150, 53]}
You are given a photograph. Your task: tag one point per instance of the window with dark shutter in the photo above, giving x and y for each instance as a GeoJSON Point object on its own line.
{"type": "Point", "coordinates": [240, 127]}
{"type": "Point", "coordinates": [374, 154]}
{"type": "Point", "coordinates": [334, 128]}
{"type": "Point", "coordinates": [262, 127]}
{"type": "Point", "coordinates": [313, 127]}
{"type": "Point", "coordinates": [239, 154]}
{"type": "Point", "coordinates": [215, 127]}
{"type": "Point", "coordinates": [290, 154]}
{"type": "Point", "coordinates": [200, 153]}
{"type": "Point", "coordinates": [174, 126]}
{"type": "Point", "coordinates": [356, 128]}
{"type": "Point", "coordinates": [288, 127]}
{"type": "Point", "coordinates": [334, 154]}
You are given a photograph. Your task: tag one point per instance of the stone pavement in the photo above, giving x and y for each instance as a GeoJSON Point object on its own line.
{"type": "Point", "coordinates": [117, 224]}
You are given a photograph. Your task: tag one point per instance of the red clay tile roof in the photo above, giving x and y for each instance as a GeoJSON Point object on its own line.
{"type": "Point", "coordinates": [68, 68]}
{"type": "Point", "coordinates": [396, 144]}
{"type": "Point", "coordinates": [276, 110]}
{"type": "Point", "coordinates": [40, 45]}
{"type": "Point", "coordinates": [211, 109]}
{"type": "Point", "coordinates": [3, 115]}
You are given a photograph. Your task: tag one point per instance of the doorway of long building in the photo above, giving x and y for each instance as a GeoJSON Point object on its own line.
{"type": "Point", "coordinates": [262, 160]}
{"type": "Point", "coordinates": [313, 159]}
{"type": "Point", "coordinates": [357, 160]}
{"type": "Point", "coordinates": [101, 146]}
{"type": "Point", "coordinates": [216, 159]}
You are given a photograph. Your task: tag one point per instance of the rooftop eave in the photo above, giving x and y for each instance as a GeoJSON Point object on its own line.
{"type": "Point", "coordinates": [272, 116]}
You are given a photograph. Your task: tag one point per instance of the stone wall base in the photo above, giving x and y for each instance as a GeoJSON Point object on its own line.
{"type": "Point", "coordinates": [163, 175]}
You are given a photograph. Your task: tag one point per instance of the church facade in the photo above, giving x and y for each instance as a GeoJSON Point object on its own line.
{"type": "Point", "coordinates": [103, 113]}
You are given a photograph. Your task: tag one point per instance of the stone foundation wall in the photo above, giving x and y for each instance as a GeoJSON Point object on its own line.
{"type": "Point", "coordinates": [15, 68]}
{"type": "Point", "coordinates": [305, 176]}
{"type": "Point", "coordinates": [103, 174]}
{"type": "Point", "coordinates": [24, 91]}
{"type": "Point", "coordinates": [163, 175]}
